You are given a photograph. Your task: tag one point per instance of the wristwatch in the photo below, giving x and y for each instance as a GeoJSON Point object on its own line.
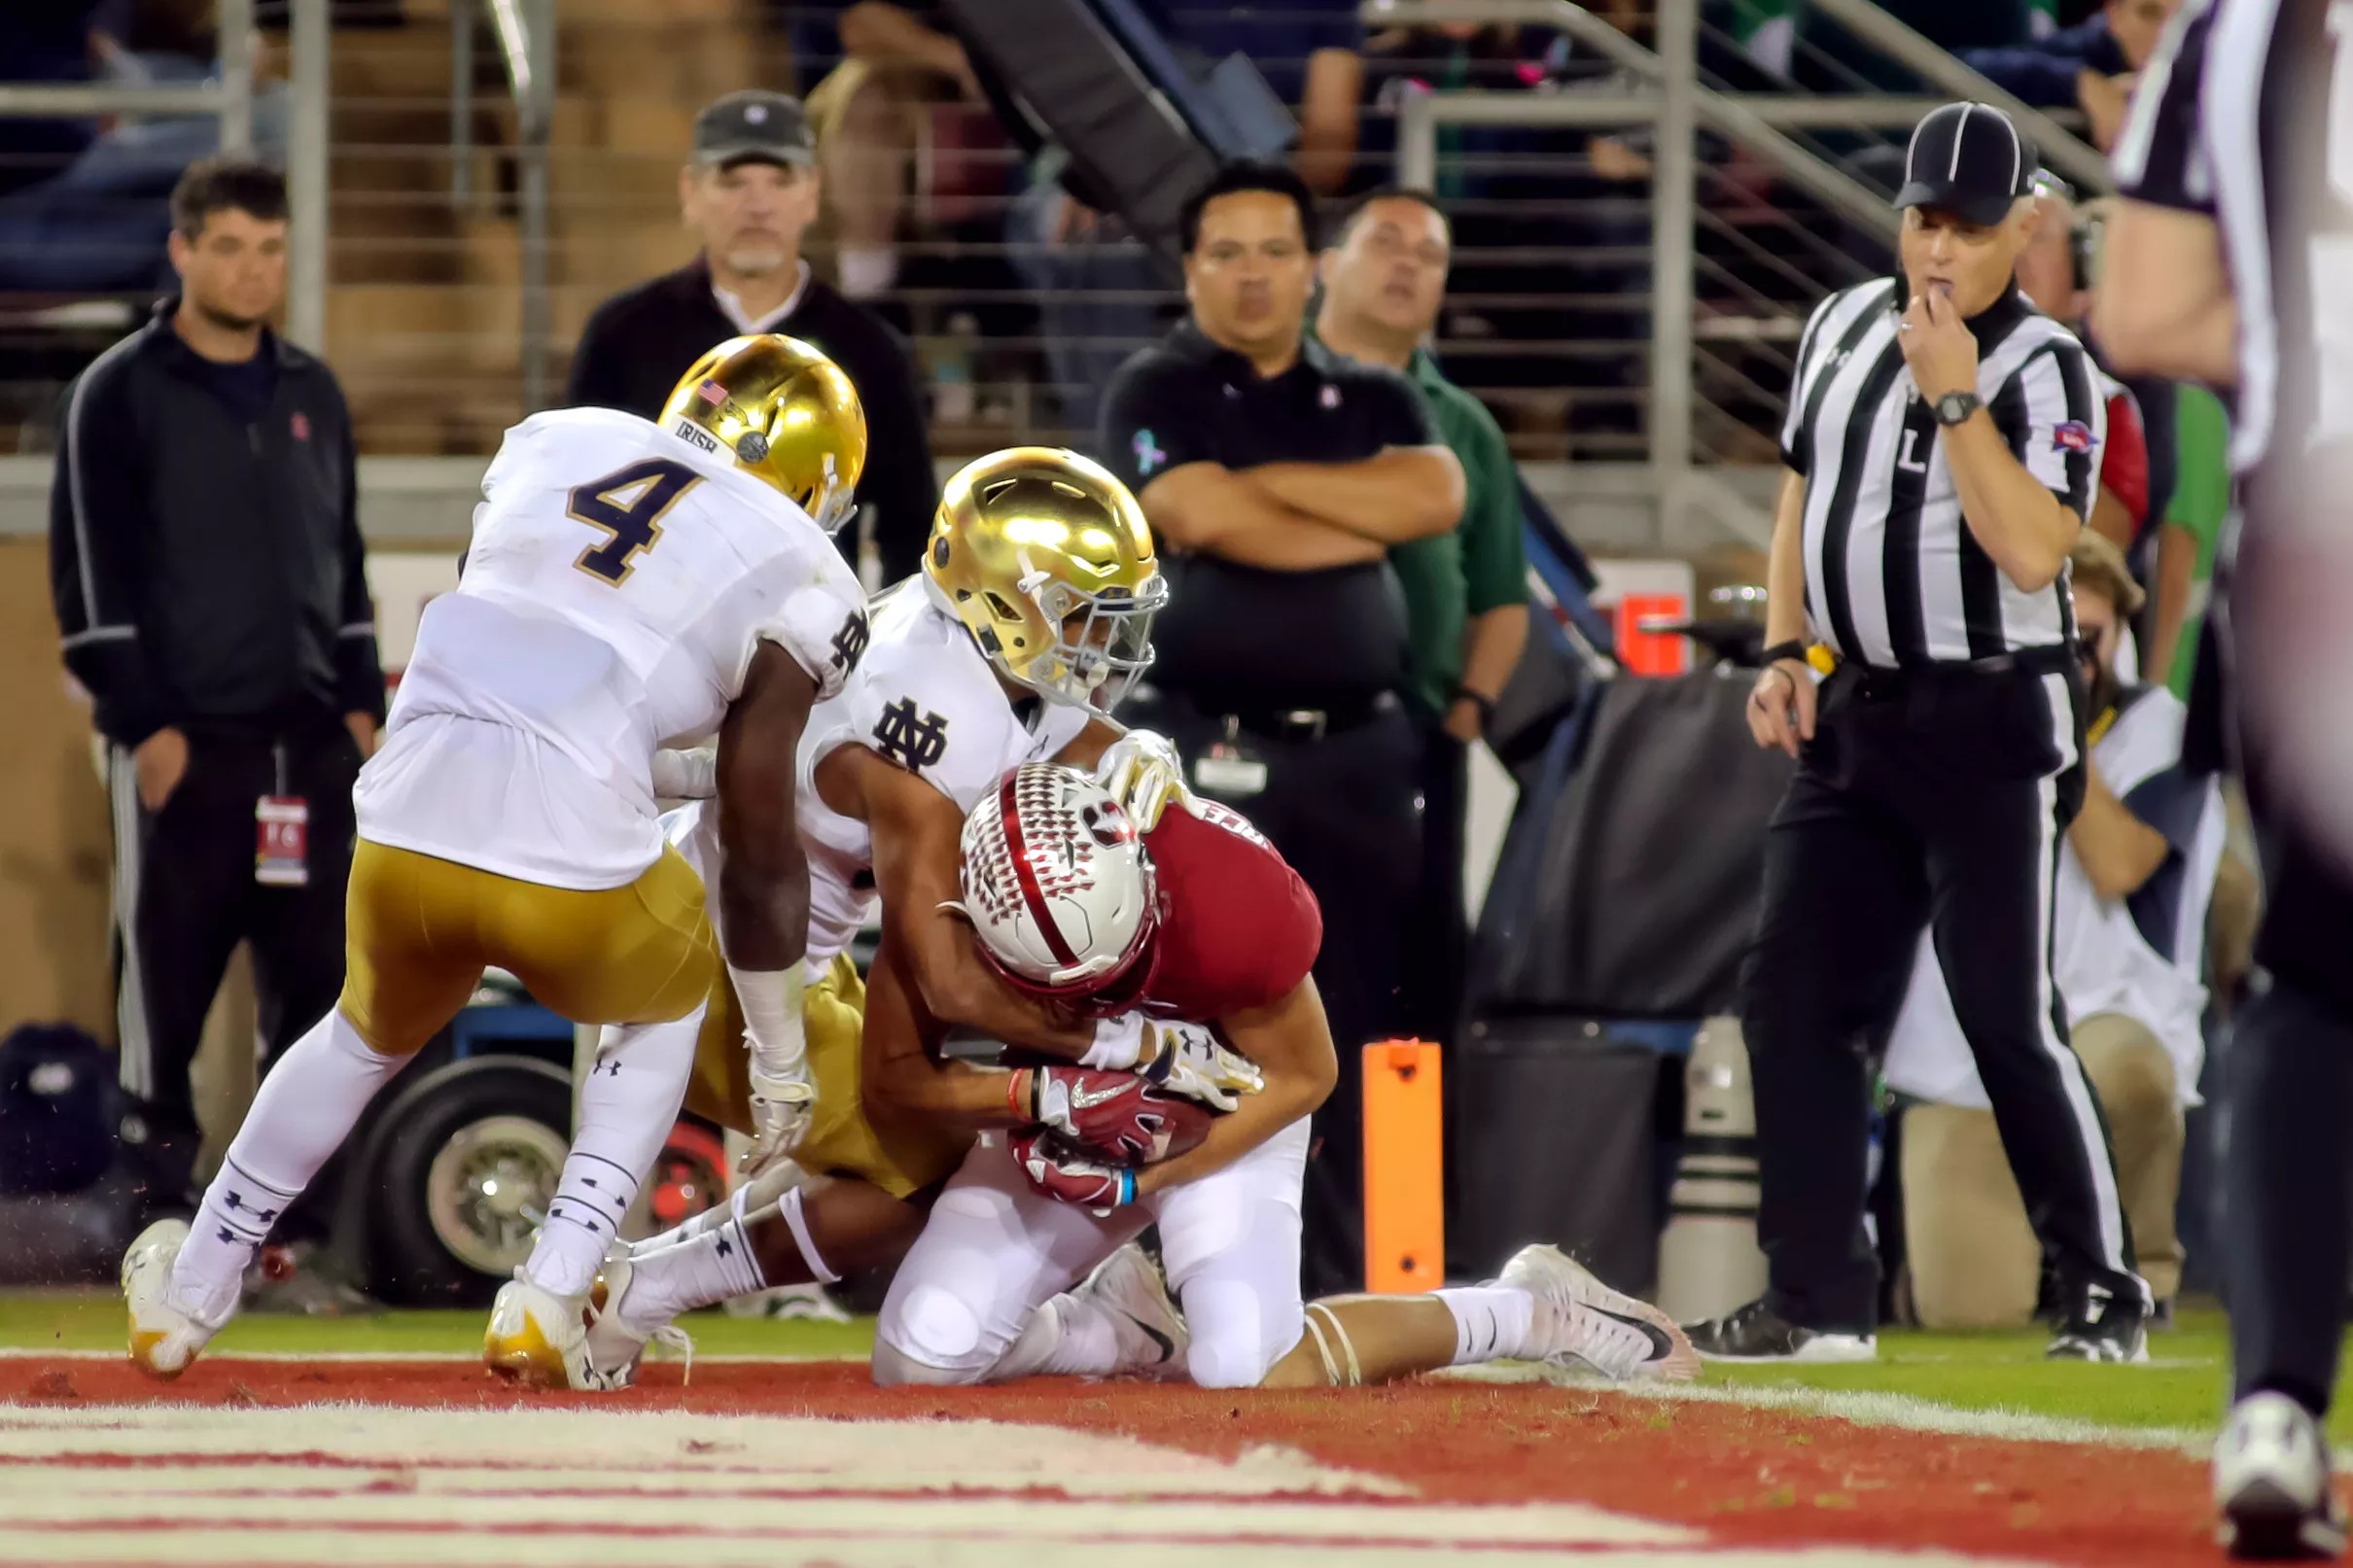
{"type": "Point", "coordinates": [1955, 406]}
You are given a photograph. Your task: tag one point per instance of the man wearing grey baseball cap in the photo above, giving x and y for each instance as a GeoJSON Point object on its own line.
{"type": "Point", "coordinates": [750, 191]}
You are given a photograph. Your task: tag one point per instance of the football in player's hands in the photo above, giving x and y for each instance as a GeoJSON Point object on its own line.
{"type": "Point", "coordinates": [1122, 1117]}
{"type": "Point", "coordinates": [1071, 1176]}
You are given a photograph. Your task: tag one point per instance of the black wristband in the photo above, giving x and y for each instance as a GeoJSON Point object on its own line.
{"type": "Point", "coordinates": [1791, 649]}
{"type": "Point", "coordinates": [1479, 700]}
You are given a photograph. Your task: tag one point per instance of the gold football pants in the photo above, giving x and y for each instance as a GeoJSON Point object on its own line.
{"type": "Point", "coordinates": [420, 931]}
{"type": "Point", "coordinates": [840, 1140]}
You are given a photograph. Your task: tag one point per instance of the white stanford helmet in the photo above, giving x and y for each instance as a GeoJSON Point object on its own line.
{"type": "Point", "coordinates": [1057, 884]}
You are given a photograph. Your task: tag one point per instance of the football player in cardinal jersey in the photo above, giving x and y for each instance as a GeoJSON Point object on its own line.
{"type": "Point", "coordinates": [1199, 917]}
{"type": "Point", "coordinates": [1230, 934]}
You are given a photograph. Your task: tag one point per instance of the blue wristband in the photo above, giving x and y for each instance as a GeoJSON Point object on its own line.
{"type": "Point", "coordinates": [1127, 1188]}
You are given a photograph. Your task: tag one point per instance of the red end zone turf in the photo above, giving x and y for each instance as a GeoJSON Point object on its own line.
{"type": "Point", "coordinates": [1744, 1475]}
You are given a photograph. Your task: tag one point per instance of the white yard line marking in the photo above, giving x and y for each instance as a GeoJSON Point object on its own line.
{"type": "Point", "coordinates": [870, 1454]}
{"type": "Point", "coordinates": [565, 1549]}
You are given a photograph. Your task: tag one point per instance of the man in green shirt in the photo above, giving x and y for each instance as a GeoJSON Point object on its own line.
{"type": "Point", "coordinates": [1465, 591]}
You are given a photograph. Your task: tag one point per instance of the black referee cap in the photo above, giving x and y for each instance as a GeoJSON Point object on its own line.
{"type": "Point", "coordinates": [1969, 158]}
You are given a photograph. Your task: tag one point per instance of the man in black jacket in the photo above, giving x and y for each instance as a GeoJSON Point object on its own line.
{"type": "Point", "coordinates": [749, 192]}
{"type": "Point", "coordinates": [210, 581]}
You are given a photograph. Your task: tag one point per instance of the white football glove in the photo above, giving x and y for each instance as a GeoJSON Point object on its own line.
{"type": "Point", "coordinates": [1186, 1058]}
{"type": "Point", "coordinates": [686, 774]}
{"type": "Point", "coordinates": [780, 1115]}
{"type": "Point", "coordinates": [1142, 772]}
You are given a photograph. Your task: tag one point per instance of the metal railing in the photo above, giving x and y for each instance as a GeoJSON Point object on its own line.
{"type": "Point", "coordinates": [2062, 151]}
{"type": "Point", "coordinates": [525, 30]}
{"type": "Point", "coordinates": [230, 98]}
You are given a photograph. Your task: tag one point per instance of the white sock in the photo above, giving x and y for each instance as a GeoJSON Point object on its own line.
{"type": "Point", "coordinates": [627, 1108]}
{"type": "Point", "coordinates": [711, 1267]}
{"type": "Point", "coordinates": [1069, 1337]}
{"type": "Point", "coordinates": [1492, 1322]}
{"type": "Point", "coordinates": [306, 1109]}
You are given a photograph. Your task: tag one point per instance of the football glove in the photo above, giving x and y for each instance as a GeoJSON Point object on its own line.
{"type": "Point", "coordinates": [1187, 1059]}
{"type": "Point", "coordinates": [1069, 1175]}
{"type": "Point", "coordinates": [1116, 1116]}
{"type": "Point", "coordinates": [1144, 773]}
{"type": "Point", "coordinates": [780, 1115]}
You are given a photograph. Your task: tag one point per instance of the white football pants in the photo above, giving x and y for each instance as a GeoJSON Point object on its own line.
{"type": "Point", "coordinates": [996, 1249]}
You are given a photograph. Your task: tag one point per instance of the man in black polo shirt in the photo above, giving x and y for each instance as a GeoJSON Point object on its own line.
{"type": "Point", "coordinates": [1277, 476]}
{"type": "Point", "coordinates": [751, 191]}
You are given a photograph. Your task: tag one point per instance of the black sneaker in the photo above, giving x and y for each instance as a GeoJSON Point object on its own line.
{"type": "Point", "coordinates": [2272, 1485]}
{"type": "Point", "coordinates": [1757, 1333]}
{"type": "Point", "coordinates": [2102, 1328]}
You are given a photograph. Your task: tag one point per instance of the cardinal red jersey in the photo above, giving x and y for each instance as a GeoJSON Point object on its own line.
{"type": "Point", "coordinates": [1239, 929]}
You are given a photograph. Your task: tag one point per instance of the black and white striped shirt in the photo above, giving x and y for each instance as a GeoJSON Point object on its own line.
{"type": "Point", "coordinates": [1893, 575]}
{"type": "Point", "coordinates": [2245, 114]}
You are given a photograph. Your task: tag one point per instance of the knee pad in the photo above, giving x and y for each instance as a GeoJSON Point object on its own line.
{"type": "Point", "coordinates": [894, 1367]}
{"type": "Point", "coordinates": [932, 1336]}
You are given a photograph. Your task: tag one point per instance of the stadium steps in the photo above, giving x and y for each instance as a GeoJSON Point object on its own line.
{"type": "Point", "coordinates": [425, 298]}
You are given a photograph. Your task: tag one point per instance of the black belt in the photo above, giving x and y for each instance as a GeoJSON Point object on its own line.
{"type": "Point", "coordinates": [1888, 681]}
{"type": "Point", "coordinates": [1281, 723]}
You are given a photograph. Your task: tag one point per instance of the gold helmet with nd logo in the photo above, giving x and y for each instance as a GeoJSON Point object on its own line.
{"type": "Point", "coordinates": [788, 415]}
{"type": "Point", "coordinates": [1046, 560]}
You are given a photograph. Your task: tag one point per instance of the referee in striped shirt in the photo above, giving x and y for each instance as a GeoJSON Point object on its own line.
{"type": "Point", "coordinates": [1941, 451]}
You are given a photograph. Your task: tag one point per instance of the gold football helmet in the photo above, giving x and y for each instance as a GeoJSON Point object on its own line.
{"type": "Point", "coordinates": [1046, 560]}
{"type": "Point", "coordinates": [787, 413]}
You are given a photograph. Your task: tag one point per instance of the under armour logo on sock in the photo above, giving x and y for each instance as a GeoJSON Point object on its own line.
{"type": "Point", "coordinates": [612, 1068]}
{"type": "Point", "coordinates": [725, 1249]}
{"type": "Point", "coordinates": [587, 1181]}
{"type": "Point", "coordinates": [228, 1236]}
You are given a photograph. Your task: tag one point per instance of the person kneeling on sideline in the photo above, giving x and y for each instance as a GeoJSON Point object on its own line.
{"type": "Point", "coordinates": [2130, 919]}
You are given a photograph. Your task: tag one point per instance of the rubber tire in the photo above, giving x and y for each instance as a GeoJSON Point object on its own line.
{"type": "Point", "coordinates": [412, 1265]}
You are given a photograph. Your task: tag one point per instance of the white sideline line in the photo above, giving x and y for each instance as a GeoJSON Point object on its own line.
{"type": "Point", "coordinates": [1905, 1411]}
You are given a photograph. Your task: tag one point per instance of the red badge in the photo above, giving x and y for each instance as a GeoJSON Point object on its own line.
{"type": "Point", "coordinates": [281, 852]}
{"type": "Point", "coordinates": [302, 425]}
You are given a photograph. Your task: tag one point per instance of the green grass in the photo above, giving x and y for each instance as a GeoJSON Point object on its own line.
{"type": "Point", "coordinates": [93, 1320]}
{"type": "Point", "coordinates": [2184, 1388]}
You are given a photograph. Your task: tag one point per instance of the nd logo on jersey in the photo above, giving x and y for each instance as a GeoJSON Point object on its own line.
{"type": "Point", "coordinates": [913, 743]}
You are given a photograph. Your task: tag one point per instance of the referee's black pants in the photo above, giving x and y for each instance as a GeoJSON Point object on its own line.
{"type": "Point", "coordinates": [1344, 808]}
{"type": "Point", "coordinates": [1935, 798]}
{"type": "Point", "coordinates": [185, 896]}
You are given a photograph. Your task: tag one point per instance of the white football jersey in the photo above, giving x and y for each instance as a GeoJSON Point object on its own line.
{"type": "Point", "coordinates": [923, 697]}
{"type": "Point", "coordinates": [618, 580]}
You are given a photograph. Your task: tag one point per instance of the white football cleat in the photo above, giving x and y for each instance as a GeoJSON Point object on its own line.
{"type": "Point", "coordinates": [1151, 1331]}
{"type": "Point", "coordinates": [164, 1337]}
{"type": "Point", "coordinates": [2271, 1484]}
{"type": "Point", "coordinates": [616, 1342]}
{"type": "Point", "coordinates": [1579, 1318]}
{"type": "Point", "coordinates": [537, 1339]}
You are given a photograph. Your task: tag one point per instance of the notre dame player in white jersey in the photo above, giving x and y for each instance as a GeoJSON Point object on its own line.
{"type": "Point", "coordinates": [629, 584]}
